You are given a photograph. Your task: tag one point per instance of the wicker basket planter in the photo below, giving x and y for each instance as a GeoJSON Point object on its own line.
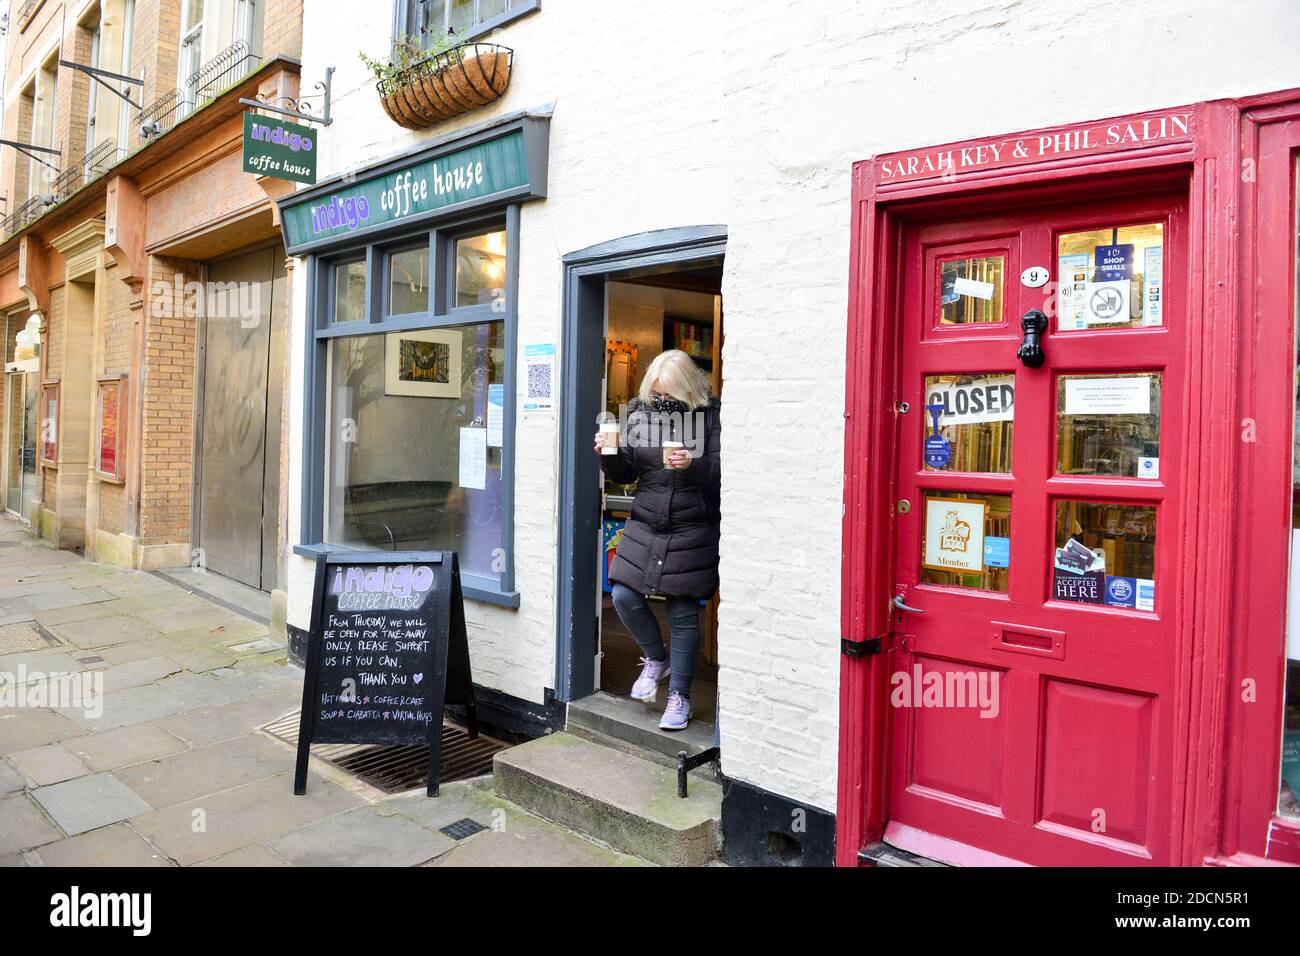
{"type": "Point", "coordinates": [448, 84]}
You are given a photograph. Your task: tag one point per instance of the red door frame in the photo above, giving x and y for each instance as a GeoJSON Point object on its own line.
{"type": "Point", "coordinates": [1222, 751]}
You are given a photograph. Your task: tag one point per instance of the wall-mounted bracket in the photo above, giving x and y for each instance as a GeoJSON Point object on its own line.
{"type": "Point", "coordinates": [299, 109]}
{"type": "Point", "coordinates": [31, 149]}
{"type": "Point", "coordinates": [98, 75]}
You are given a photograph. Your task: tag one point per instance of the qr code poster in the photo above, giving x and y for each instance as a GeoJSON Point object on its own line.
{"type": "Point", "coordinates": [539, 392]}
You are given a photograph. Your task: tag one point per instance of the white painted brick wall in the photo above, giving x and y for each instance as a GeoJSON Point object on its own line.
{"type": "Point", "coordinates": [750, 113]}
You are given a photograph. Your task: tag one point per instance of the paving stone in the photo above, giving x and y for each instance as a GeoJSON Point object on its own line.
{"type": "Point", "coordinates": [40, 663]}
{"type": "Point", "coordinates": [84, 612]}
{"type": "Point", "coordinates": [89, 802]}
{"type": "Point", "coordinates": [116, 845]}
{"type": "Point", "coordinates": [256, 855]}
{"type": "Point", "coordinates": [22, 728]}
{"type": "Point", "coordinates": [205, 770]}
{"type": "Point", "coordinates": [526, 840]}
{"type": "Point", "coordinates": [199, 660]}
{"type": "Point", "coordinates": [103, 632]}
{"type": "Point", "coordinates": [23, 826]}
{"type": "Point", "coordinates": [13, 859]}
{"type": "Point", "coordinates": [138, 673]}
{"type": "Point", "coordinates": [455, 801]}
{"type": "Point", "coordinates": [214, 724]}
{"type": "Point", "coordinates": [126, 746]}
{"type": "Point", "coordinates": [259, 646]}
{"type": "Point", "coordinates": [138, 650]}
{"type": "Point", "coordinates": [254, 813]}
{"type": "Point", "coordinates": [10, 779]}
{"type": "Point", "coordinates": [71, 597]}
{"type": "Point", "coordinates": [361, 838]}
{"type": "Point", "coordinates": [24, 588]}
{"type": "Point", "coordinates": [48, 764]}
{"type": "Point", "coordinates": [122, 708]}
{"type": "Point", "coordinates": [189, 613]}
{"type": "Point", "coordinates": [217, 633]}
{"type": "Point", "coordinates": [16, 638]}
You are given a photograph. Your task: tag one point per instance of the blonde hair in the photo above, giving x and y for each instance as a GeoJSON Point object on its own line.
{"type": "Point", "coordinates": [677, 375]}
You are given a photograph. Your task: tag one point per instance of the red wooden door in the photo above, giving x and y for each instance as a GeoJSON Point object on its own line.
{"type": "Point", "coordinates": [1033, 685]}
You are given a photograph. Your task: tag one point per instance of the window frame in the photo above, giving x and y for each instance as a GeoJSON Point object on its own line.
{"type": "Point", "coordinates": [321, 329]}
{"type": "Point", "coordinates": [518, 10]}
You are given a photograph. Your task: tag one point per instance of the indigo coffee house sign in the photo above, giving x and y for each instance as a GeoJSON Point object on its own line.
{"type": "Point", "coordinates": [491, 167]}
{"type": "Point", "coordinates": [278, 149]}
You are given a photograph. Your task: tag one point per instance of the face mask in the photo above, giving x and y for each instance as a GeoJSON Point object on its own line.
{"type": "Point", "coordinates": [669, 406]}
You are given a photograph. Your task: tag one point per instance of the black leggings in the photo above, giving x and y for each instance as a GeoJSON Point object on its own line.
{"type": "Point", "coordinates": [683, 629]}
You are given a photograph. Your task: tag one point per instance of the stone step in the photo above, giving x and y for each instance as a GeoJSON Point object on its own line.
{"type": "Point", "coordinates": [633, 727]}
{"type": "Point", "coordinates": [626, 801]}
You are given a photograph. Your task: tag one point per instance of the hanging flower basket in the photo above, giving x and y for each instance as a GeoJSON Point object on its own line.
{"type": "Point", "coordinates": [445, 85]}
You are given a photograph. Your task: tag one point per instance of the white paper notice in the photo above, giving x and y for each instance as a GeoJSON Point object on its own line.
{"type": "Point", "coordinates": [473, 458]}
{"type": "Point", "coordinates": [973, 287]}
{"type": "Point", "coordinates": [1107, 303]}
{"type": "Point", "coordinates": [496, 415]}
{"type": "Point", "coordinates": [1108, 396]}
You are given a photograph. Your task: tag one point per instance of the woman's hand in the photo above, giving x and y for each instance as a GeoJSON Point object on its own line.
{"type": "Point", "coordinates": [680, 458]}
{"type": "Point", "coordinates": [600, 442]}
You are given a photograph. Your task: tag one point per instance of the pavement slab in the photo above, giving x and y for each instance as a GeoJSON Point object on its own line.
{"type": "Point", "coordinates": [256, 855]}
{"type": "Point", "coordinates": [47, 764]}
{"type": "Point", "coordinates": [105, 631]}
{"type": "Point", "coordinates": [124, 747]}
{"type": "Point", "coordinates": [529, 841]}
{"type": "Point", "coordinates": [23, 825]}
{"type": "Point", "coordinates": [23, 728]}
{"type": "Point", "coordinates": [255, 813]}
{"type": "Point", "coordinates": [116, 845]}
{"type": "Point", "coordinates": [67, 597]}
{"type": "Point", "coordinates": [361, 837]}
{"type": "Point", "coordinates": [207, 770]}
{"type": "Point", "coordinates": [214, 724]}
{"type": "Point", "coordinates": [135, 705]}
{"type": "Point", "coordinates": [16, 638]}
{"type": "Point", "coordinates": [89, 802]}
{"type": "Point", "coordinates": [10, 779]}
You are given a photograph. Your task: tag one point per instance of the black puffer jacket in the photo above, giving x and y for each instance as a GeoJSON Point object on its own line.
{"type": "Point", "coordinates": [670, 544]}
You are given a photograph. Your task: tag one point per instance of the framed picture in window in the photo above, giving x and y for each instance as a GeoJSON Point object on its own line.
{"type": "Point", "coordinates": [108, 427]}
{"type": "Point", "coordinates": [50, 423]}
{"type": "Point", "coordinates": [424, 363]}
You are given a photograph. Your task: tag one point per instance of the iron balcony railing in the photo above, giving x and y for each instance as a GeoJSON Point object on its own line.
{"type": "Point", "coordinates": [217, 75]}
{"type": "Point", "coordinates": [95, 163]}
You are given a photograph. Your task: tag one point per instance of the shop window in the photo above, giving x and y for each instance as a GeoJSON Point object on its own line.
{"type": "Point", "coordinates": [108, 428]}
{"type": "Point", "coordinates": [414, 458]}
{"type": "Point", "coordinates": [467, 19]}
{"type": "Point", "coordinates": [970, 290]}
{"type": "Point", "coordinates": [480, 269]}
{"type": "Point", "coordinates": [1111, 278]}
{"type": "Point", "coordinates": [1108, 425]}
{"type": "Point", "coordinates": [408, 281]}
{"type": "Point", "coordinates": [349, 291]}
{"type": "Point", "coordinates": [967, 422]}
{"type": "Point", "coordinates": [1105, 554]}
{"type": "Point", "coordinates": [50, 423]}
{"type": "Point", "coordinates": [408, 434]}
{"type": "Point", "coordinates": [967, 541]}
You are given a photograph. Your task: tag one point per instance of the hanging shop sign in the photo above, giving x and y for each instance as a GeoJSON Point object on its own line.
{"type": "Point", "coordinates": [387, 649]}
{"type": "Point", "coordinates": [490, 167]}
{"type": "Point", "coordinates": [990, 399]}
{"type": "Point", "coordinates": [278, 149]}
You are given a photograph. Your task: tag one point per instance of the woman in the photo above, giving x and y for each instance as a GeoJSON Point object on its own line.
{"type": "Point", "coordinates": [670, 544]}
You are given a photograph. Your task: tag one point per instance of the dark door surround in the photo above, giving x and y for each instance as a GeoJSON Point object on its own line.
{"type": "Point", "coordinates": [582, 349]}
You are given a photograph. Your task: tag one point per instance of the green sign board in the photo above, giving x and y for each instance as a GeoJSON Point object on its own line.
{"type": "Point", "coordinates": [275, 148]}
{"type": "Point", "coordinates": [473, 172]}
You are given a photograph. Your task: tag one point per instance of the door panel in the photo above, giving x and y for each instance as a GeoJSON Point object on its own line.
{"type": "Point", "coordinates": [233, 515]}
{"type": "Point", "coordinates": [1037, 516]}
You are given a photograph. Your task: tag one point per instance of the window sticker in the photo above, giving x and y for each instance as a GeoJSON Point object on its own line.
{"type": "Point", "coordinates": [997, 552]}
{"type": "Point", "coordinates": [1153, 271]}
{"type": "Point", "coordinates": [1071, 309]}
{"type": "Point", "coordinates": [1113, 263]}
{"type": "Point", "coordinates": [1148, 468]}
{"type": "Point", "coordinates": [954, 535]}
{"type": "Point", "coordinates": [1078, 574]}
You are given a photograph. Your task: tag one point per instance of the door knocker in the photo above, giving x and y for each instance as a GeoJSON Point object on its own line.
{"type": "Point", "coordinates": [1033, 324]}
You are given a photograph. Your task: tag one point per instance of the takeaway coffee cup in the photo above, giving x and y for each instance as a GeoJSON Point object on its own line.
{"type": "Point", "coordinates": [669, 448]}
{"type": "Point", "coordinates": [610, 431]}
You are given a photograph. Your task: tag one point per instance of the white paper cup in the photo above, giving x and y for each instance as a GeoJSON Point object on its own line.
{"type": "Point", "coordinates": [610, 431]}
{"type": "Point", "coordinates": [669, 448]}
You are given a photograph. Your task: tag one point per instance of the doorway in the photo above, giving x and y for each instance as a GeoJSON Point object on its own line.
{"type": "Point", "coordinates": [22, 391]}
{"type": "Point", "coordinates": [1039, 518]}
{"type": "Point", "coordinates": [237, 501]}
{"type": "Point", "coordinates": [625, 302]}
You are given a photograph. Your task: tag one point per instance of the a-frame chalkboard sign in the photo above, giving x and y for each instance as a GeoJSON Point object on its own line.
{"type": "Point", "coordinates": [387, 650]}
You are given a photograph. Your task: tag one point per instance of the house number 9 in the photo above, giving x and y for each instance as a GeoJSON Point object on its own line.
{"type": "Point", "coordinates": [1034, 277]}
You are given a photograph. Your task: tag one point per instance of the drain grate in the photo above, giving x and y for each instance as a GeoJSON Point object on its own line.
{"type": "Point", "coordinates": [394, 769]}
{"type": "Point", "coordinates": [462, 828]}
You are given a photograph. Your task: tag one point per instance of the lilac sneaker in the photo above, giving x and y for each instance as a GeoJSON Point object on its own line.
{"type": "Point", "coordinates": [653, 673]}
{"type": "Point", "coordinates": [678, 712]}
